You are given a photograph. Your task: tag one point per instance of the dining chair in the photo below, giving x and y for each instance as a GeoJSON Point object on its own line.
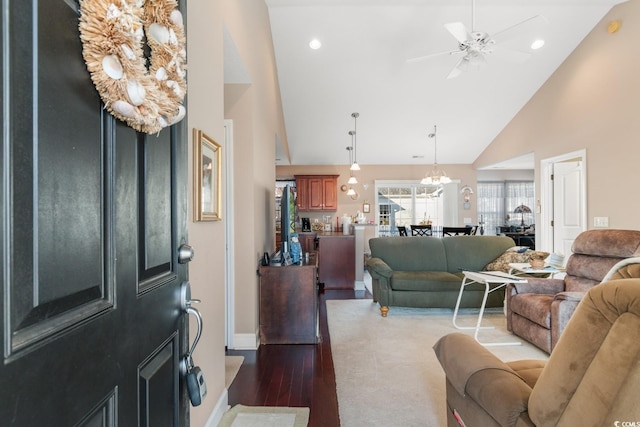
{"type": "Point", "coordinates": [402, 230]}
{"type": "Point", "coordinates": [456, 231]}
{"type": "Point", "coordinates": [421, 230]}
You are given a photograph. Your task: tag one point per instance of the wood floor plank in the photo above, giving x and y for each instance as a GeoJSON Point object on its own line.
{"type": "Point", "coordinates": [299, 375]}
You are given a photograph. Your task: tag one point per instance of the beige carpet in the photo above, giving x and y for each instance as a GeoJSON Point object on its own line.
{"type": "Point", "coordinates": [231, 367]}
{"type": "Point", "coordinates": [386, 371]}
{"type": "Point", "coordinates": [265, 416]}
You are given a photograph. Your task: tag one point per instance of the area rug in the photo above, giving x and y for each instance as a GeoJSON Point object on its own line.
{"type": "Point", "coordinates": [386, 371]}
{"type": "Point", "coordinates": [265, 416]}
{"type": "Point", "coordinates": [231, 367]}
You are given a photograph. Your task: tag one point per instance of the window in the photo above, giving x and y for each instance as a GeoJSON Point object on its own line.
{"type": "Point", "coordinates": [404, 203]}
{"type": "Point", "coordinates": [498, 199]}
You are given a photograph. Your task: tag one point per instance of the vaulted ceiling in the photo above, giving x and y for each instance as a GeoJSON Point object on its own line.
{"type": "Point", "coordinates": [362, 67]}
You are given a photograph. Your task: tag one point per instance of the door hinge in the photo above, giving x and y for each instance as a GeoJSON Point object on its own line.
{"type": "Point", "coordinates": [551, 177]}
{"type": "Point", "coordinates": [552, 223]}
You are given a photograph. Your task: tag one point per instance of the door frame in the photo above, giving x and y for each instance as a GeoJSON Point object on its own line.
{"type": "Point", "coordinates": [229, 279]}
{"type": "Point", "coordinates": [546, 195]}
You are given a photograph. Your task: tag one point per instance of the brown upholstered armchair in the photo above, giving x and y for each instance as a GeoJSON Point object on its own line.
{"type": "Point", "coordinates": [592, 377]}
{"type": "Point", "coordinates": [539, 310]}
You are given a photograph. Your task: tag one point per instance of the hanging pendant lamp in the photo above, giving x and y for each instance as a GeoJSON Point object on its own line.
{"type": "Point", "coordinates": [436, 176]}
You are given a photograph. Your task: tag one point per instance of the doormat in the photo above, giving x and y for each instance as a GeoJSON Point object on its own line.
{"type": "Point", "coordinates": [265, 416]}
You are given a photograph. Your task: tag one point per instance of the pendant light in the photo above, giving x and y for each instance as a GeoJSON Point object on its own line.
{"type": "Point", "coordinates": [352, 179]}
{"type": "Point", "coordinates": [436, 176]}
{"type": "Point", "coordinates": [354, 165]}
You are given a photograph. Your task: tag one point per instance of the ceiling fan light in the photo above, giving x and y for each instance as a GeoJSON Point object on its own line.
{"type": "Point", "coordinates": [351, 192]}
{"type": "Point", "coordinates": [352, 180]}
{"type": "Point", "coordinates": [355, 166]}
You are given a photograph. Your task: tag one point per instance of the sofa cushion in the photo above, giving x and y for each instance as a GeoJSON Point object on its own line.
{"type": "Point", "coordinates": [472, 253]}
{"type": "Point", "coordinates": [432, 281]}
{"type": "Point", "coordinates": [501, 263]}
{"type": "Point", "coordinates": [535, 307]}
{"type": "Point", "coordinates": [410, 253]}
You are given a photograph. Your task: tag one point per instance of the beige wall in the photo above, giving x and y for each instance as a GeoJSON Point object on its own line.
{"type": "Point", "coordinates": [591, 102]}
{"type": "Point", "coordinates": [256, 112]}
{"type": "Point", "coordinates": [368, 174]}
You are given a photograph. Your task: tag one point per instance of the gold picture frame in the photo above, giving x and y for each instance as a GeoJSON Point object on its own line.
{"type": "Point", "coordinates": [207, 175]}
{"type": "Point", "coordinates": [366, 207]}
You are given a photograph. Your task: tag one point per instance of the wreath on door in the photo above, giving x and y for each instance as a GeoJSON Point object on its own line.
{"type": "Point", "coordinates": [145, 94]}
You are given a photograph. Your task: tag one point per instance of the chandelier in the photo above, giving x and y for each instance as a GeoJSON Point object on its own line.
{"type": "Point", "coordinates": [436, 176]}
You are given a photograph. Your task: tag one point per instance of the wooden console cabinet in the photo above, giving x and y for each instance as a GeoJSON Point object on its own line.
{"type": "Point", "coordinates": [317, 192]}
{"type": "Point", "coordinates": [336, 260]}
{"type": "Point", "coordinates": [289, 304]}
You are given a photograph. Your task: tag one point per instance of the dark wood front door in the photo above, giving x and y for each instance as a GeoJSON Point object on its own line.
{"type": "Point", "coordinates": [92, 215]}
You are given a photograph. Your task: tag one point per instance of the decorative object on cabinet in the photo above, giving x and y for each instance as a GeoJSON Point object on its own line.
{"type": "Point", "coordinates": [147, 98]}
{"type": "Point", "coordinates": [436, 176]}
{"type": "Point", "coordinates": [207, 176]}
{"type": "Point", "coordinates": [317, 192]}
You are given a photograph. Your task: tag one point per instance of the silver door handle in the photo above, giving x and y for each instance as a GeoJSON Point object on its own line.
{"type": "Point", "coordinates": [185, 254]}
{"type": "Point", "coordinates": [185, 302]}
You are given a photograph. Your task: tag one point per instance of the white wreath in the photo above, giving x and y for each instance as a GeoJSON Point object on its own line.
{"type": "Point", "coordinates": [148, 98]}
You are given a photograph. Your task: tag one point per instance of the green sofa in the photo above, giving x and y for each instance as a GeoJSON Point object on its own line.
{"type": "Point", "coordinates": [427, 271]}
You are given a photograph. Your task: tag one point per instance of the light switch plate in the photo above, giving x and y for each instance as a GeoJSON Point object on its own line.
{"type": "Point", "coordinates": [600, 221]}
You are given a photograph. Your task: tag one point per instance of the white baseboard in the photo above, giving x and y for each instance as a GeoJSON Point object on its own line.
{"type": "Point", "coordinates": [359, 285]}
{"type": "Point", "coordinates": [218, 411]}
{"type": "Point", "coordinates": [246, 341]}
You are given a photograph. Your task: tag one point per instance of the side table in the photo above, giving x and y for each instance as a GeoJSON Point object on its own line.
{"type": "Point", "coordinates": [492, 280]}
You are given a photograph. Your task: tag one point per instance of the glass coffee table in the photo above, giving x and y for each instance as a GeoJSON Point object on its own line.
{"type": "Point", "coordinates": [492, 280]}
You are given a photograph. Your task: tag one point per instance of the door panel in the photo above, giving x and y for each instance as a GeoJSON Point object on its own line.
{"type": "Point", "coordinates": [92, 216]}
{"type": "Point", "coordinates": [567, 202]}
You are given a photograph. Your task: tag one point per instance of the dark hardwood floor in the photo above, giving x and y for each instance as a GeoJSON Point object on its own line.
{"type": "Point", "coordinates": [293, 375]}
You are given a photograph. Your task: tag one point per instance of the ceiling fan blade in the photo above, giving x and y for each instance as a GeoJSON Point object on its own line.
{"type": "Point", "coordinates": [527, 28]}
{"type": "Point", "coordinates": [433, 55]}
{"type": "Point", "coordinates": [457, 69]}
{"type": "Point", "coordinates": [459, 31]}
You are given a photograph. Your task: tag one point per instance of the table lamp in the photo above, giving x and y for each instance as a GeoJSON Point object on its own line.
{"type": "Point", "coordinates": [522, 209]}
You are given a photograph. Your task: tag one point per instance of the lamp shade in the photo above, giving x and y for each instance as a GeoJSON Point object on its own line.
{"type": "Point", "coordinates": [522, 209]}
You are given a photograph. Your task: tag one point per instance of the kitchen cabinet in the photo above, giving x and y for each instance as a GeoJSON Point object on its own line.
{"type": "Point", "coordinates": [317, 192]}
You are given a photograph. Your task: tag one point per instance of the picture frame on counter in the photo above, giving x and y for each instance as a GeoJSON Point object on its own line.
{"type": "Point", "coordinates": [207, 155]}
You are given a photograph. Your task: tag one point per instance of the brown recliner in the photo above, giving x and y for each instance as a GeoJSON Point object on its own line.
{"type": "Point", "coordinates": [592, 377]}
{"type": "Point", "coordinates": [539, 310]}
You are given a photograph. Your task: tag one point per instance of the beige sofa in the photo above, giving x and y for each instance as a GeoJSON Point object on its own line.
{"type": "Point", "coordinates": [592, 377]}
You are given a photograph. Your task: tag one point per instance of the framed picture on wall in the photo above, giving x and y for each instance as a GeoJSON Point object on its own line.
{"type": "Point", "coordinates": [207, 176]}
{"type": "Point", "coordinates": [366, 207]}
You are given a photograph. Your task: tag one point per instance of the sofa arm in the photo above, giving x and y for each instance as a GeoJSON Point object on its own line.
{"type": "Point", "coordinates": [537, 286]}
{"type": "Point", "coordinates": [562, 308]}
{"type": "Point", "coordinates": [477, 374]}
{"type": "Point", "coordinates": [379, 267]}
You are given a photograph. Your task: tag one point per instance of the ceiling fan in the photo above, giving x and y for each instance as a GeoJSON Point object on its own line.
{"type": "Point", "coordinates": [475, 45]}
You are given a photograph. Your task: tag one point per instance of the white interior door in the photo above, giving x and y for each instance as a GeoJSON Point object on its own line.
{"type": "Point", "coordinates": [568, 218]}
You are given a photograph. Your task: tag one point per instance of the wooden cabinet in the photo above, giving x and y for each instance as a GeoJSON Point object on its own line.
{"type": "Point", "coordinates": [317, 192]}
{"type": "Point", "coordinates": [307, 241]}
{"type": "Point", "coordinates": [289, 304]}
{"type": "Point", "coordinates": [337, 261]}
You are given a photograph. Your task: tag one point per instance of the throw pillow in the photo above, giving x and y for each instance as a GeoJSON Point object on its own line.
{"type": "Point", "coordinates": [502, 262]}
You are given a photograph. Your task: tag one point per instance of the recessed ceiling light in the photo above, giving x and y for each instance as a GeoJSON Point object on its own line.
{"type": "Point", "coordinates": [315, 44]}
{"type": "Point", "coordinates": [537, 44]}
